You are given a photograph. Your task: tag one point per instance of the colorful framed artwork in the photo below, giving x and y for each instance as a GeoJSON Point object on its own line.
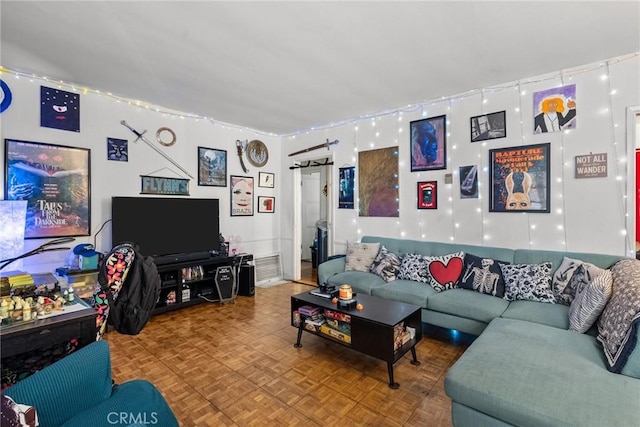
{"type": "Point", "coordinates": [347, 177]}
{"type": "Point", "coordinates": [429, 144]}
{"type": "Point", "coordinates": [266, 180]}
{"type": "Point", "coordinates": [554, 109]}
{"type": "Point", "coordinates": [488, 126]}
{"type": "Point", "coordinates": [59, 109]}
{"type": "Point", "coordinates": [241, 195]}
{"type": "Point", "coordinates": [519, 179]}
{"type": "Point", "coordinates": [55, 180]}
{"type": "Point", "coordinates": [428, 195]}
{"type": "Point", "coordinates": [266, 204]}
{"type": "Point", "coordinates": [378, 189]}
{"type": "Point", "coordinates": [212, 167]}
{"type": "Point", "coordinates": [468, 182]}
{"type": "Point", "coordinates": [117, 149]}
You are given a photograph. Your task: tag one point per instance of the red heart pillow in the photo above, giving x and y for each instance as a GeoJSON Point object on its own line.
{"type": "Point", "coordinates": [447, 273]}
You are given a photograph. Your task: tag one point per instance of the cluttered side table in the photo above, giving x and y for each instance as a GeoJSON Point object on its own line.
{"type": "Point", "coordinates": [28, 346]}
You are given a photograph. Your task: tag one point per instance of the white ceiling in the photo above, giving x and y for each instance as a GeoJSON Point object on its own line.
{"type": "Point", "coordinates": [283, 67]}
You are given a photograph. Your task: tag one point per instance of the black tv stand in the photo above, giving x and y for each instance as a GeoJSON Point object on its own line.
{"type": "Point", "coordinates": [186, 283]}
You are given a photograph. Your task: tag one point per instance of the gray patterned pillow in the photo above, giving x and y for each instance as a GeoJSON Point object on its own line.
{"type": "Point", "coordinates": [360, 256]}
{"type": "Point", "coordinates": [619, 320]}
{"type": "Point", "coordinates": [414, 267]}
{"type": "Point", "coordinates": [561, 279]}
{"type": "Point", "coordinates": [589, 301]}
{"type": "Point", "coordinates": [386, 265]}
{"type": "Point", "coordinates": [528, 282]}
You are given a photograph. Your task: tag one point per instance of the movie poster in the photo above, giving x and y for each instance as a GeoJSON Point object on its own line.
{"type": "Point", "coordinates": [55, 181]}
{"type": "Point", "coordinates": [520, 179]}
{"type": "Point", "coordinates": [347, 181]}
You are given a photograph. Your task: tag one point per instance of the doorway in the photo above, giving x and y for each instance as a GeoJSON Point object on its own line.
{"type": "Point", "coordinates": [314, 202]}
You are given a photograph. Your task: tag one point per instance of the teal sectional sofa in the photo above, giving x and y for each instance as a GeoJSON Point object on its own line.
{"type": "Point", "coordinates": [525, 367]}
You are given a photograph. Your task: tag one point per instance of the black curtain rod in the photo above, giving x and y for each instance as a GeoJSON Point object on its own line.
{"type": "Point", "coordinates": [310, 164]}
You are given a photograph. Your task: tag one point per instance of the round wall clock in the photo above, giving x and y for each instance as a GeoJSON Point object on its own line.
{"type": "Point", "coordinates": [257, 153]}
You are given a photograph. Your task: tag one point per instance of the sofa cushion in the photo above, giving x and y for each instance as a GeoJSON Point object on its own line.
{"type": "Point", "coordinates": [359, 280]}
{"type": "Point", "coordinates": [589, 302]}
{"type": "Point", "coordinates": [408, 291]}
{"type": "Point", "coordinates": [561, 278]}
{"type": "Point", "coordinates": [482, 275]}
{"type": "Point", "coordinates": [620, 319]}
{"type": "Point", "coordinates": [440, 272]}
{"type": "Point", "coordinates": [528, 282]}
{"type": "Point", "coordinates": [528, 374]}
{"type": "Point", "coordinates": [414, 267]}
{"type": "Point", "coordinates": [360, 256]}
{"type": "Point", "coordinates": [556, 315]}
{"type": "Point", "coordinates": [386, 265]}
{"type": "Point", "coordinates": [469, 304]}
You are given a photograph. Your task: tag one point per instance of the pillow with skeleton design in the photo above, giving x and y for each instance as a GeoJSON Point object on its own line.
{"type": "Point", "coordinates": [482, 275]}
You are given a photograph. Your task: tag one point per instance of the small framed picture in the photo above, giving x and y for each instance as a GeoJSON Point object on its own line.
{"type": "Point", "coordinates": [428, 195]}
{"type": "Point", "coordinates": [488, 126]}
{"type": "Point", "coordinates": [266, 204]}
{"type": "Point", "coordinates": [212, 167]}
{"type": "Point", "coordinates": [117, 149]}
{"type": "Point", "coordinates": [429, 144]}
{"type": "Point", "coordinates": [266, 180]}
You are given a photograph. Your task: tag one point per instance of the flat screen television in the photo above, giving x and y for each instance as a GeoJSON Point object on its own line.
{"type": "Point", "coordinates": [163, 226]}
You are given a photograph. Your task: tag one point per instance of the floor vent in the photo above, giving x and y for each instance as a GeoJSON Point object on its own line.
{"type": "Point", "coordinates": [268, 270]}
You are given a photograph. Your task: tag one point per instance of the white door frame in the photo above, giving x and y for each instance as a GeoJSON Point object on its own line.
{"type": "Point", "coordinates": [632, 141]}
{"type": "Point", "coordinates": [296, 242]}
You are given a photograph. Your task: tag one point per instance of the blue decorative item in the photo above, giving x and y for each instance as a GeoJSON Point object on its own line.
{"type": "Point", "coordinates": [7, 97]}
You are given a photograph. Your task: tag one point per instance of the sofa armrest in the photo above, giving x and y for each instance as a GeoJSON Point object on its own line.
{"type": "Point", "coordinates": [73, 384]}
{"type": "Point", "coordinates": [330, 267]}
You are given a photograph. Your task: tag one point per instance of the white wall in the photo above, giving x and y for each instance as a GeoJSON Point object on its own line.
{"type": "Point", "coordinates": [587, 215]}
{"type": "Point", "coordinates": [100, 118]}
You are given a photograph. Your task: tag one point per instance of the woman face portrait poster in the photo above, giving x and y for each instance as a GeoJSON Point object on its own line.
{"type": "Point", "coordinates": [241, 195]}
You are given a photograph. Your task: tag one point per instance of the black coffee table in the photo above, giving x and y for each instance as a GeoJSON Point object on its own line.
{"type": "Point", "coordinates": [372, 328]}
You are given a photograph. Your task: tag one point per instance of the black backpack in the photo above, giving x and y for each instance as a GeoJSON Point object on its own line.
{"type": "Point", "coordinates": [140, 292]}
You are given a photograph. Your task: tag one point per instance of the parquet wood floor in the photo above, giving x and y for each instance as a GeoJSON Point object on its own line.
{"type": "Point", "coordinates": [235, 365]}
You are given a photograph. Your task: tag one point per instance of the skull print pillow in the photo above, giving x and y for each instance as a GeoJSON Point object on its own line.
{"type": "Point", "coordinates": [482, 275]}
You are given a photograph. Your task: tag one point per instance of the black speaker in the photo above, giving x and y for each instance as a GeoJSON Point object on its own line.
{"type": "Point", "coordinates": [246, 280]}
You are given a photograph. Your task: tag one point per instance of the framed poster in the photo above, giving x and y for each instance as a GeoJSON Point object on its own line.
{"type": "Point", "coordinates": [378, 189]}
{"type": "Point", "coordinates": [468, 182]}
{"type": "Point", "coordinates": [488, 126]}
{"type": "Point", "coordinates": [519, 179]}
{"type": "Point", "coordinates": [59, 109]}
{"type": "Point", "coordinates": [117, 149]}
{"type": "Point", "coordinates": [212, 167]}
{"type": "Point", "coordinates": [347, 177]}
{"type": "Point", "coordinates": [241, 195]}
{"type": "Point", "coordinates": [554, 109]}
{"type": "Point", "coordinates": [266, 204]}
{"type": "Point", "coordinates": [55, 180]}
{"type": "Point", "coordinates": [429, 144]}
{"type": "Point", "coordinates": [428, 195]}
{"type": "Point", "coordinates": [266, 180]}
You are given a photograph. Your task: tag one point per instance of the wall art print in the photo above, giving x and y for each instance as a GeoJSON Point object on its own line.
{"type": "Point", "coordinates": [347, 179]}
{"type": "Point", "coordinates": [212, 167]}
{"type": "Point", "coordinates": [266, 204]}
{"type": "Point", "coordinates": [55, 180]}
{"type": "Point", "coordinates": [520, 179]}
{"type": "Point", "coordinates": [117, 149]}
{"type": "Point", "coordinates": [241, 195]}
{"type": "Point", "coordinates": [378, 183]}
{"type": "Point", "coordinates": [428, 195]}
{"type": "Point", "coordinates": [266, 180]}
{"type": "Point", "coordinates": [488, 126]}
{"type": "Point", "coordinates": [468, 182]}
{"type": "Point", "coordinates": [429, 144]}
{"type": "Point", "coordinates": [59, 109]}
{"type": "Point", "coordinates": [554, 109]}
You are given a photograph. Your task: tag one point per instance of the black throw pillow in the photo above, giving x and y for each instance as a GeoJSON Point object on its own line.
{"type": "Point", "coordinates": [482, 275]}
